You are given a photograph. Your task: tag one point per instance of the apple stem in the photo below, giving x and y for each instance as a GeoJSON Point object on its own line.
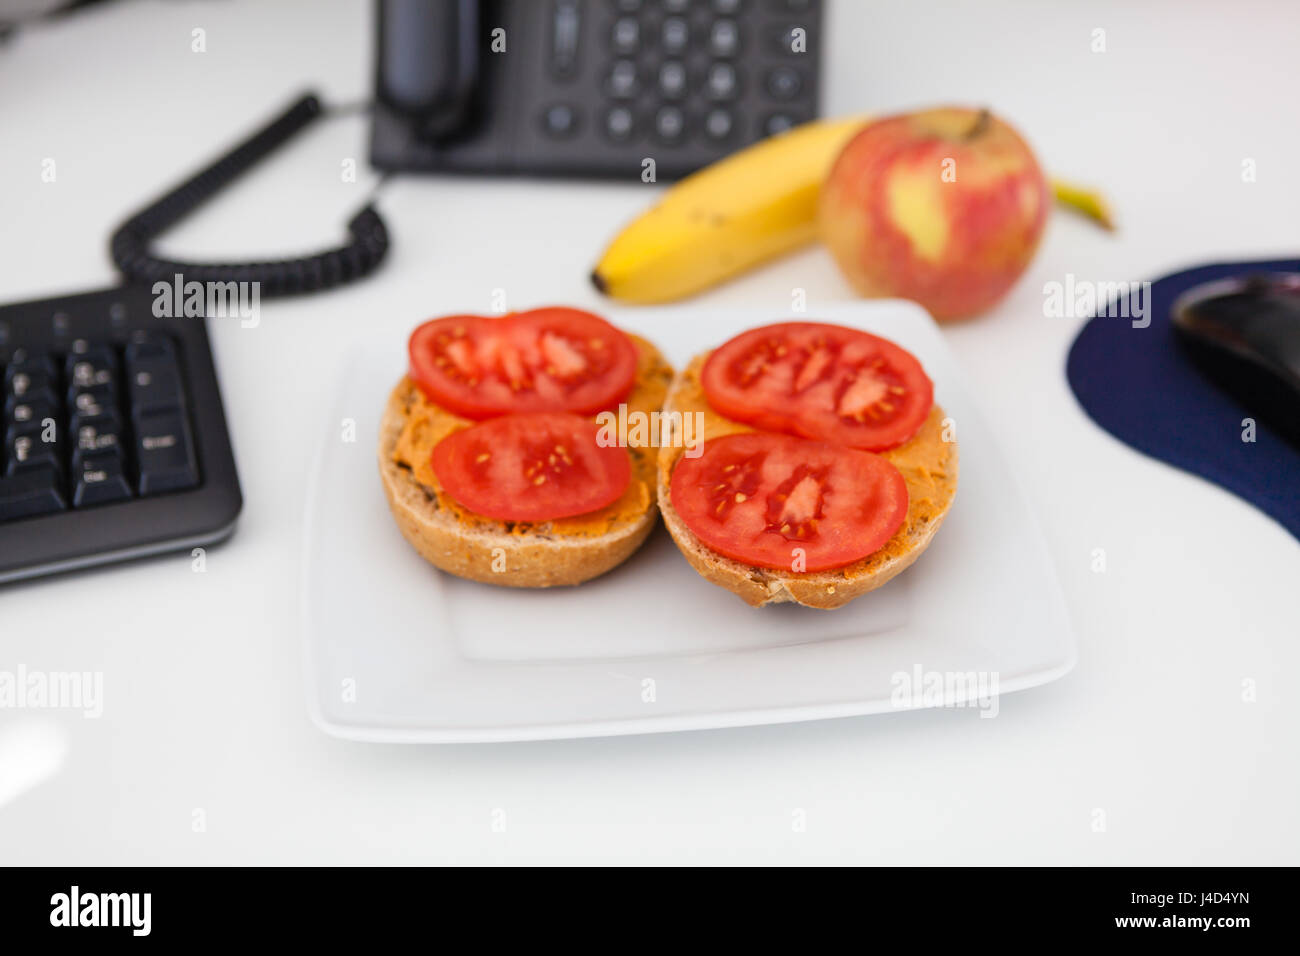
{"type": "Point", "coordinates": [980, 125]}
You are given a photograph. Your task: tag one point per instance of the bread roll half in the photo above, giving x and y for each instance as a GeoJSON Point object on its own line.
{"type": "Point", "coordinates": [927, 462]}
{"type": "Point", "coordinates": [513, 554]}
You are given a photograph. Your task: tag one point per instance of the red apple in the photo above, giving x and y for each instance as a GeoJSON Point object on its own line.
{"type": "Point", "coordinates": [943, 206]}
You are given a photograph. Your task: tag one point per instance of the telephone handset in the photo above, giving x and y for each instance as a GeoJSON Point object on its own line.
{"type": "Point", "coordinates": [588, 87]}
{"type": "Point", "coordinates": [430, 62]}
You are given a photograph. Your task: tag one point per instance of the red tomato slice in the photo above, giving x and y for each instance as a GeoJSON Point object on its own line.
{"type": "Point", "coordinates": [533, 466]}
{"type": "Point", "coordinates": [820, 381]}
{"type": "Point", "coordinates": [554, 359]}
{"type": "Point", "coordinates": [756, 497]}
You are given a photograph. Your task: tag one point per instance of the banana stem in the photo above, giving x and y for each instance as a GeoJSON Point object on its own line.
{"type": "Point", "coordinates": [1085, 201]}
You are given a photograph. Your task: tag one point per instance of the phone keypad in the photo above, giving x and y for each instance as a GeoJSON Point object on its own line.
{"type": "Point", "coordinates": [717, 73]}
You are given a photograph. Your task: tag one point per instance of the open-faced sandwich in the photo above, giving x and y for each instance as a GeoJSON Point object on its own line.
{"type": "Point", "coordinates": [491, 456]}
{"type": "Point", "coordinates": [824, 469]}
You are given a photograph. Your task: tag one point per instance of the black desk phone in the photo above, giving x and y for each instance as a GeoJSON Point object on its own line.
{"type": "Point", "coordinates": [588, 87]}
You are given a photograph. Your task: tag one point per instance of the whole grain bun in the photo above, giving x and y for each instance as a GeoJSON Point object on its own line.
{"type": "Point", "coordinates": [512, 554]}
{"type": "Point", "coordinates": [928, 465]}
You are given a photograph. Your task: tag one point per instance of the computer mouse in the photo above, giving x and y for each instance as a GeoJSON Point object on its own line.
{"type": "Point", "coordinates": [1243, 333]}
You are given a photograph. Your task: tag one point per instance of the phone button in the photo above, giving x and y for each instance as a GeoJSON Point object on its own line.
{"type": "Point", "coordinates": [779, 123]}
{"type": "Point", "coordinates": [784, 83]}
{"type": "Point", "coordinates": [676, 35]}
{"type": "Point", "coordinates": [718, 124]}
{"type": "Point", "coordinates": [791, 39]}
{"type": "Point", "coordinates": [724, 38]}
{"type": "Point", "coordinates": [560, 120]}
{"type": "Point", "coordinates": [672, 79]}
{"type": "Point", "coordinates": [626, 37]}
{"type": "Point", "coordinates": [670, 124]}
{"type": "Point", "coordinates": [721, 81]}
{"type": "Point", "coordinates": [565, 27]}
{"type": "Point", "coordinates": [623, 80]}
{"type": "Point", "coordinates": [619, 124]}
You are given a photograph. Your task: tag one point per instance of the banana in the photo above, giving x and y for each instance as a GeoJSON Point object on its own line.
{"type": "Point", "coordinates": [752, 206]}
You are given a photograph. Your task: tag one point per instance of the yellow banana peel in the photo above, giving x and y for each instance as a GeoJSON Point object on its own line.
{"type": "Point", "coordinates": [756, 204]}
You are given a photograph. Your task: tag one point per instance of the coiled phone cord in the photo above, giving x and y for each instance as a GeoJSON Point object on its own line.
{"type": "Point", "coordinates": [359, 257]}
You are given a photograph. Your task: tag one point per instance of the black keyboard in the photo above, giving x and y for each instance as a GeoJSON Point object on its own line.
{"type": "Point", "coordinates": [594, 87]}
{"type": "Point", "coordinates": [115, 442]}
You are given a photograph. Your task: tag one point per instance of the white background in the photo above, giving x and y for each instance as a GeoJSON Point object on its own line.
{"type": "Point", "coordinates": [204, 701]}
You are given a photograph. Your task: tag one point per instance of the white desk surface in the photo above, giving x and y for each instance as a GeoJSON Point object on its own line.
{"type": "Point", "coordinates": [204, 704]}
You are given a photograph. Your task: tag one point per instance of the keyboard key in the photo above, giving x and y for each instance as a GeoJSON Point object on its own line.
{"type": "Point", "coordinates": [27, 360]}
{"type": "Point", "coordinates": [32, 412]}
{"type": "Point", "coordinates": [672, 79]}
{"type": "Point", "coordinates": [148, 345]}
{"type": "Point", "coordinates": [95, 435]}
{"type": "Point", "coordinates": [90, 402]}
{"type": "Point", "coordinates": [726, 7]}
{"type": "Point", "coordinates": [676, 35]}
{"type": "Point", "coordinates": [32, 384]}
{"type": "Point", "coordinates": [30, 492]}
{"type": "Point", "coordinates": [721, 81]}
{"type": "Point", "coordinates": [153, 382]}
{"type": "Point", "coordinates": [100, 480]}
{"type": "Point", "coordinates": [164, 452]}
{"type": "Point", "coordinates": [619, 124]}
{"type": "Point", "coordinates": [724, 38]}
{"type": "Point", "coordinates": [626, 36]}
{"type": "Point", "coordinates": [91, 366]}
{"type": "Point", "coordinates": [676, 6]}
{"type": "Point", "coordinates": [623, 80]}
{"type": "Point", "coordinates": [784, 83]}
{"type": "Point", "coordinates": [26, 448]}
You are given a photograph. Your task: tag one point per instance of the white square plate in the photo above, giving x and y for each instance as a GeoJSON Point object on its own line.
{"type": "Point", "coordinates": [398, 651]}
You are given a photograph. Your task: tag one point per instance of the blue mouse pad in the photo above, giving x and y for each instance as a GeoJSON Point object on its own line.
{"type": "Point", "coordinates": [1137, 383]}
